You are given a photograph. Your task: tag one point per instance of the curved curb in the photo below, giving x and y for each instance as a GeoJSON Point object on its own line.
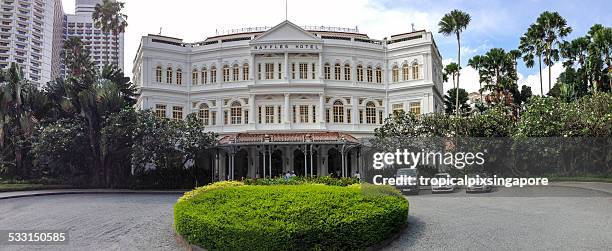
{"type": "Point", "coordinates": [48, 192]}
{"type": "Point", "coordinates": [184, 243]}
{"type": "Point", "coordinates": [389, 240]}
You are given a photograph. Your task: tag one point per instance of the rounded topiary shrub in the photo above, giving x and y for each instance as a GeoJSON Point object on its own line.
{"type": "Point", "coordinates": [232, 216]}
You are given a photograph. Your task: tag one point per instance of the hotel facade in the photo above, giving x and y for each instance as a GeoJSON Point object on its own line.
{"type": "Point", "coordinates": [289, 98]}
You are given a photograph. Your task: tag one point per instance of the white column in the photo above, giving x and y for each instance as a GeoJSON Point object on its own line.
{"type": "Point", "coordinates": [287, 109]}
{"type": "Point", "coordinates": [320, 65]}
{"type": "Point", "coordinates": [322, 108]}
{"type": "Point", "coordinates": [252, 68]}
{"type": "Point", "coordinates": [354, 115]}
{"type": "Point", "coordinates": [287, 67]}
{"type": "Point", "coordinates": [220, 72]}
{"type": "Point", "coordinates": [251, 109]}
{"type": "Point", "coordinates": [219, 118]}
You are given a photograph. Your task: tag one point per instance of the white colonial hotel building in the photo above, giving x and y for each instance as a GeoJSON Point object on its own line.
{"type": "Point", "coordinates": [289, 97]}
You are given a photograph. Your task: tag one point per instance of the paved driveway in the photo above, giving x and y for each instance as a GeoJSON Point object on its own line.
{"type": "Point", "coordinates": [95, 222]}
{"type": "Point", "coordinates": [540, 218]}
{"type": "Point", "coordinates": [563, 218]}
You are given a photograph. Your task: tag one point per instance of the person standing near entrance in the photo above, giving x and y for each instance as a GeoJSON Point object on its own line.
{"type": "Point", "coordinates": [357, 176]}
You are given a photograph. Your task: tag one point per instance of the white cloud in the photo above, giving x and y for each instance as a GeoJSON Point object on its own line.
{"type": "Point", "coordinates": [468, 79]}
{"type": "Point", "coordinates": [534, 80]}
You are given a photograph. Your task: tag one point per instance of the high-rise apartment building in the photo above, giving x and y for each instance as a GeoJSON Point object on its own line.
{"type": "Point", "coordinates": [30, 35]}
{"type": "Point", "coordinates": [105, 48]}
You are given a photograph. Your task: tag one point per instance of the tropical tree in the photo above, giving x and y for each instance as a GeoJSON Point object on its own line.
{"type": "Point", "coordinates": [91, 95]}
{"type": "Point", "coordinates": [497, 71]}
{"type": "Point", "coordinates": [451, 70]}
{"type": "Point", "coordinates": [21, 105]}
{"type": "Point", "coordinates": [449, 101]}
{"type": "Point", "coordinates": [554, 28]}
{"type": "Point", "coordinates": [531, 45]}
{"type": "Point", "coordinates": [576, 52]}
{"type": "Point", "coordinates": [602, 45]}
{"type": "Point", "coordinates": [454, 23]}
{"type": "Point", "coordinates": [514, 56]}
{"type": "Point", "coordinates": [108, 18]}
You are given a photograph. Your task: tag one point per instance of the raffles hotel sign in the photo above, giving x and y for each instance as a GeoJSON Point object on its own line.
{"type": "Point", "coordinates": [286, 47]}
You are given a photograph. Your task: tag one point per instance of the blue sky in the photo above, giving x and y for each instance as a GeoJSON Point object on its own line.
{"type": "Point", "coordinates": [494, 23]}
{"type": "Point", "coordinates": [501, 23]}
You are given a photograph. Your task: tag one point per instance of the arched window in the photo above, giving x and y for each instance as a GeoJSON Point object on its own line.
{"type": "Point", "coordinates": [204, 75]}
{"type": "Point", "coordinates": [359, 73]}
{"type": "Point", "coordinates": [236, 113]}
{"type": "Point", "coordinates": [369, 74]}
{"type": "Point", "coordinates": [370, 113]}
{"type": "Point", "coordinates": [245, 72]}
{"type": "Point", "coordinates": [213, 74]}
{"type": "Point", "coordinates": [395, 74]}
{"type": "Point", "coordinates": [158, 74]}
{"type": "Point", "coordinates": [405, 72]}
{"type": "Point", "coordinates": [378, 75]}
{"type": "Point", "coordinates": [194, 77]}
{"type": "Point", "coordinates": [347, 72]}
{"type": "Point", "coordinates": [338, 110]}
{"type": "Point", "coordinates": [226, 73]}
{"type": "Point", "coordinates": [415, 70]}
{"type": "Point", "coordinates": [235, 73]}
{"type": "Point", "coordinates": [337, 72]}
{"type": "Point", "coordinates": [327, 71]}
{"type": "Point", "coordinates": [179, 77]}
{"type": "Point", "coordinates": [169, 75]}
{"type": "Point", "coordinates": [204, 114]}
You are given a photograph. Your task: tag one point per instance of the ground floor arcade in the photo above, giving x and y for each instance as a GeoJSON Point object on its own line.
{"type": "Point", "coordinates": [246, 155]}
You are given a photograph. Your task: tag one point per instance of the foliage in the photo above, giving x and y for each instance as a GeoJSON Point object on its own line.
{"type": "Point", "coordinates": [450, 98]}
{"type": "Point", "coordinates": [108, 17]}
{"type": "Point", "coordinates": [21, 105]}
{"type": "Point", "coordinates": [300, 217]}
{"type": "Point", "coordinates": [590, 116]}
{"type": "Point", "coordinates": [62, 152]}
{"type": "Point", "coordinates": [167, 150]}
{"type": "Point", "coordinates": [298, 180]}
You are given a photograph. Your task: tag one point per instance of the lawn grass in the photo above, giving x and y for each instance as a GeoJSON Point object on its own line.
{"type": "Point", "coordinates": [10, 187]}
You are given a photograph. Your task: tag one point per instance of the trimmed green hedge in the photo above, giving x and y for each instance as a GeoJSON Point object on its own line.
{"type": "Point", "coordinates": [298, 180]}
{"type": "Point", "coordinates": [233, 216]}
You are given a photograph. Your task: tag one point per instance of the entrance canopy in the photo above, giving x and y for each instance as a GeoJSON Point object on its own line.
{"type": "Point", "coordinates": [288, 138]}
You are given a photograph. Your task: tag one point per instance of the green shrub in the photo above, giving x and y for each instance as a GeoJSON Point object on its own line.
{"type": "Point", "coordinates": [232, 216]}
{"type": "Point", "coordinates": [299, 180]}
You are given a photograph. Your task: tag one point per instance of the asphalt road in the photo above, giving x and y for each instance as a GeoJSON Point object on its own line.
{"type": "Point", "coordinates": [560, 218]}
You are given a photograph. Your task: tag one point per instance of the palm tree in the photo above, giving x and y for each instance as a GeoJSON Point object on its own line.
{"type": "Point", "coordinates": [15, 114]}
{"type": "Point", "coordinates": [451, 23]}
{"type": "Point", "coordinates": [554, 27]}
{"type": "Point", "coordinates": [514, 56]}
{"type": "Point", "coordinates": [531, 45]}
{"type": "Point", "coordinates": [452, 70]}
{"type": "Point", "coordinates": [108, 18]}
{"type": "Point", "coordinates": [92, 95]}
{"type": "Point", "coordinates": [477, 63]}
{"type": "Point", "coordinates": [602, 40]}
{"type": "Point", "coordinates": [576, 51]}
{"type": "Point", "coordinates": [497, 70]}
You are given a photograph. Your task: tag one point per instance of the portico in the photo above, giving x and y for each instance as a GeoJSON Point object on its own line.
{"type": "Point", "coordinates": [254, 155]}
